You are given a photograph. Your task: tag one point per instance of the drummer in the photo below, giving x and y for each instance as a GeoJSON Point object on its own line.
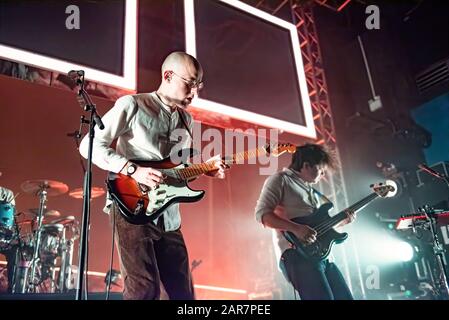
{"type": "Point", "coordinates": [7, 196]}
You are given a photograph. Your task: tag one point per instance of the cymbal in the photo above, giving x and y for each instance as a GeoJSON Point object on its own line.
{"type": "Point", "coordinates": [47, 213]}
{"type": "Point", "coordinates": [95, 193]}
{"type": "Point", "coordinates": [63, 220]}
{"type": "Point", "coordinates": [53, 188]}
{"type": "Point", "coordinates": [24, 222]}
{"type": "Point", "coordinates": [31, 222]}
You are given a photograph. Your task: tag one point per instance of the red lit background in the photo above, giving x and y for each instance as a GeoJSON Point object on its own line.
{"type": "Point", "coordinates": [233, 251]}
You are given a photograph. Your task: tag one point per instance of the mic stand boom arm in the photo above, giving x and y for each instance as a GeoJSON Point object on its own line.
{"type": "Point", "coordinates": [86, 103]}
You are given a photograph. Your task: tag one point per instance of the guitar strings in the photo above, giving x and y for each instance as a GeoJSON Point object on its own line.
{"type": "Point", "coordinates": [325, 226]}
{"type": "Point", "coordinates": [328, 224]}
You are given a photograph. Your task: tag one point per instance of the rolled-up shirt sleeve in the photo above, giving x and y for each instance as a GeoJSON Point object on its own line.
{"type": "Point", "coordinates": [270, 196]}
{"type": "Point", "coordinates": [116, 122]}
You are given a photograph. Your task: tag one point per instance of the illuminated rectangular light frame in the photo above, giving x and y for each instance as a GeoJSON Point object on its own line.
{"type": "Point", "coordinates": [127, 81]}
{"type": "Point", "coordinates": [309, 129]}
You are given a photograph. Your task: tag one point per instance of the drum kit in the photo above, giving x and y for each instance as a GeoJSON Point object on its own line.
{"type": "Point", "coordinates": [43, 240]}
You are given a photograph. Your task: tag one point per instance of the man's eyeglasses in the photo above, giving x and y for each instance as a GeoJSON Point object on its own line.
{"type": "Point", "coordinates": [191, 84]}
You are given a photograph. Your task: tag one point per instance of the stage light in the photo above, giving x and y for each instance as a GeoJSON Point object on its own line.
{"type": "Point", "coordinates": [391, 250]}
{"type": "Point", "coordinates": [403, 250]}
{"type": "Point", "coordinates": [381, 245]}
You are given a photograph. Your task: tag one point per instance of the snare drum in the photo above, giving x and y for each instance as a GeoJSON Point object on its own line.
{"type": "Point", "coordinates": [7, 211]}
{"type": "Point", "coordinates": [51, 236]}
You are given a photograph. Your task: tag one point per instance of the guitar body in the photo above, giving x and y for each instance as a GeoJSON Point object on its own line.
{"type": "Point", "coordinates": [323, 224]}
{"type": "Point", "coordinates": [139, 204]}
{"type": "Point", "coordinates": [321, 248]}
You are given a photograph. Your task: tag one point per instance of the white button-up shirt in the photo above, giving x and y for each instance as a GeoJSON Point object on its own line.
{"type": "Point", "coordinates": [144, 128]}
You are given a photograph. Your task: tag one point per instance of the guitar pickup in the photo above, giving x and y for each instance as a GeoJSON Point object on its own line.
{"type": "Point", "coordinates": [143, 188]}
{"type": "Point", "coordinates": [139, 207]}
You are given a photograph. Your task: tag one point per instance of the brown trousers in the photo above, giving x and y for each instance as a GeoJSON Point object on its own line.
{"type": "Point", "coordinates": [150, 256]}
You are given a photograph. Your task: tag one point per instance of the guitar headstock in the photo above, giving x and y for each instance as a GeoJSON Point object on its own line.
{"type": "Point", "coordinates": [387, 189]}
{"type": "Point", "coordinates": [277, 149]}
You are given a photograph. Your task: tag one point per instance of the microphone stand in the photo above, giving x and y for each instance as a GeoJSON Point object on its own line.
{"type": "Point", "coordinates": [77, 136]}
{"type": "Point", "coordinates": [434, 173]}
{"type": "Point", "coordinates": [442, 278]}
{"type": "Point", "coordinates": [446, 179]}
{"type": "Point", "coordinates": [86, 103]}
{"type": "Point", "coordinates": [438, 250]}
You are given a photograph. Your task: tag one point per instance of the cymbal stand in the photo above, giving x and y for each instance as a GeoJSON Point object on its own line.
{"type": "Point", "coordinates": [19, 257]}
{"type": "Point", "coordinates": [37, 239]}
{"type": "Point", "coordinates": [438, 250]}
{"type": "Point", "coordinates": [66, 262]}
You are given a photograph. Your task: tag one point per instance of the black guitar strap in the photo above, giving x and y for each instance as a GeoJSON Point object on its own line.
{"type": "Point", "coordinates": [181, 116]}
{"type": "Point", "coordinates": [312, 192]}
{"type": "Point", "coordinates": [321, 196]}
{"type": "Point", "coordinates": [184, 122]}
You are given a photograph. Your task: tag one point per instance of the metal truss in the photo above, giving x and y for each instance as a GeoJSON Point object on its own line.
{"type": "Point", "coordinates": [334, 185]}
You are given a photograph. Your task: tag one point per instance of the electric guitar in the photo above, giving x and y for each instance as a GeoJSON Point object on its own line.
{"type": "Point", "coordinates": [324, 225]}
{"type": "Point", "coordinates": [140, 204]}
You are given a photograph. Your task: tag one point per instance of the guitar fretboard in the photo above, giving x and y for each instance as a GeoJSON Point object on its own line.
{"type": "Point", "coordinates": [332, 222]}
{"type": "Point", "coordinates": [196, 170]}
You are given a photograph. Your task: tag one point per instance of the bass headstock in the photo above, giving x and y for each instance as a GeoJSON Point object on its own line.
{"type": "Point", "coordinates": [386, 189]}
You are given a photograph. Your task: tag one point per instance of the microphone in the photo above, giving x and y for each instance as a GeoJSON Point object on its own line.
{"type": "Point", "coordinates": [75, 73]}
{"type": "Point", "coordinates": [431, 171]}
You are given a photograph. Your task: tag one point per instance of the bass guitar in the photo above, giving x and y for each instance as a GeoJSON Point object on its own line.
{"type": "Point", "coordinates": [324, 224]}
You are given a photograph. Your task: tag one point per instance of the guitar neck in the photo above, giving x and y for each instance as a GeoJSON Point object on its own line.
{"type": "Point", "coordinates": [195, 170]}
{"type": "Point", "coordinates": [354, 208]}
